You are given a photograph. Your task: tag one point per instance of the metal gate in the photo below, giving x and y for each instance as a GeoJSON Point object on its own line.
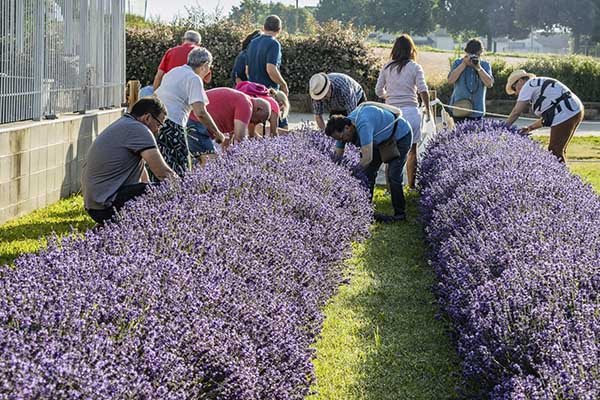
{"type": "Point", "coordinates": [60, 56]}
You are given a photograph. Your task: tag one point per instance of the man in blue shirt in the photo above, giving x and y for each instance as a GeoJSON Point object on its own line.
{"type": "Point", "coordinates": [369, 127]}
{"type": "Point", "coordinates": [263, 56]}
{"type": "Point", "coordinates": [471, 77]}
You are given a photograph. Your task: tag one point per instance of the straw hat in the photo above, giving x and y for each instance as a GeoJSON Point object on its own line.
{"type": "Point", "coordinates": [319, 86]}
{"type": "Point", "coordinates": [515, 76]}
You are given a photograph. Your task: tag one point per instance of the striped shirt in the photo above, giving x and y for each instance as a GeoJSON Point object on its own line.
{"type": "Point", "coordinates": [345, 95]}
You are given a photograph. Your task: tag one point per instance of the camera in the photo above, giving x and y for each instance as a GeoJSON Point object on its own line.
{"type": "Point", "coordinates": [474, 59]}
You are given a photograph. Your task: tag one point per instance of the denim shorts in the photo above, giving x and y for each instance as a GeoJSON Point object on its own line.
{"type": "Point", "coordinates": [199, 141]}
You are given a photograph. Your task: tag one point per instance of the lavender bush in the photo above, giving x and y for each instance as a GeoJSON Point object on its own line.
{"type": "Point", "coordinates": [515, 242]}
{"type": "Point", "coordinates": [206, 288]}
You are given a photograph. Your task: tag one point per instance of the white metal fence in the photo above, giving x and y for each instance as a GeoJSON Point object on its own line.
{"type": "Point", "coordinates": [60, 56]}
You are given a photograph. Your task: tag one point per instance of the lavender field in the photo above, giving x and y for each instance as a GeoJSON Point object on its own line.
{"type": "Point", "coordinates": [515, 243]}
{"type": "Point", "coordinates": [207, 288]}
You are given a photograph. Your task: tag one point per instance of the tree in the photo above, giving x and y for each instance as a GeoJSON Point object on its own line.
{"type": "Point", "coordinates": [579, 17]}
{"type": "Point", "coordinates": [356, 11]}
{"type": "Point", "coordinates": [294, 19]}
{"type": "Point", "coordinates": [414, 16]}
{"type": "Point", "coordinates": [489, 18]}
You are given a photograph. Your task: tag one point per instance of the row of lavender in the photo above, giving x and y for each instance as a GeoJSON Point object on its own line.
{"type": "Point", "coordinates": [207, 288]}
{"type": "Point", "coordinates": [515, 242]}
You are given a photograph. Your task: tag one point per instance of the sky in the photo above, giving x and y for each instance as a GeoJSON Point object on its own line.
{"type": "Point", "coordinates": [167, 9]}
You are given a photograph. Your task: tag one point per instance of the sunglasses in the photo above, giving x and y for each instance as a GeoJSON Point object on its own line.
{"type": "Point", "coordinates": [160, 124]}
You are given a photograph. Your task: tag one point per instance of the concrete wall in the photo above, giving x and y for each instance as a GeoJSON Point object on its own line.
{"type": "Point", "coordinates": [41, 162]}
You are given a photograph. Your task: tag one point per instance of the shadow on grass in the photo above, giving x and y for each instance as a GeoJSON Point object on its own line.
{"type": "Point", "coordinates": [381, 338]}
{"type": "Point", "coordinates": [408, 339]}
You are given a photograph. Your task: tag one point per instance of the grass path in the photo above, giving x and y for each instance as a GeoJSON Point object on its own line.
{"type": "Point", "coordinates": [381, 338]}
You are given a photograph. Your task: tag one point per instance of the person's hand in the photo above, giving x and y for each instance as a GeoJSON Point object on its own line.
{"type": "Point", "coordinates": [466, 60]}
{"type": "Point", "coordinates": [427, 113]}
{"type": "Point", "coordinates": [284, 89]}
{"type": "Point", "coordinates": [526, 131]}
{"type": "Point", "coordinates": [220, 137]}
{"type": "Point", "coordinates": [226, 143]}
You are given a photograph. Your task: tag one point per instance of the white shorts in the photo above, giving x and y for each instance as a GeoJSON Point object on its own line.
{"type": "Point", "coordinates": [413, 117]}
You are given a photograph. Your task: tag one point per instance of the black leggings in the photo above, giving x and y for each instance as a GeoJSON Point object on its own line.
{"type": "Point", "coordinates": [124, 194]}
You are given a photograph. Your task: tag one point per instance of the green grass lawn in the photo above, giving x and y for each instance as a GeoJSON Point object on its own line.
{"type": "Point", "coordinates": [583, 157]}
{"type": "Point", "coordinates": [381, 338]}
{"type": "Point", "coordinates": [27, 234]}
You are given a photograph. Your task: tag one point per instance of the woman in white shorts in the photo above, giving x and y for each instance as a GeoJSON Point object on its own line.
{"type": "Point", "coordinates": [399, 82]}
{"type": "Point", "coordinates": [552, 101]}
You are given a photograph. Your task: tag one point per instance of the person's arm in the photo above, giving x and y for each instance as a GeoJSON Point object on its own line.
{"type": "Point", "coordinates": [158, 79]}
{"type": "Point", "coordinates": [240, 130]}
{"type": "Point", "coordinates": [238, 80]}
{"type": "Point", "coordinates": [519, 108]}
{"type": "Point", "coordinates": [485, 77]}
{"type": "Point", "coordinates": [425, 100]}
{"type": "Point", "coordinates": [276, 77]}
{"type": "Point", "coordinates": [274, 124]}
{"type": "Point", "coordinates": [144, 178]}
{"type": "Point", "coordinates": [366, 155]}
{"type": "Point", "coordinates": [199, 110]}
{"type": "Point", "coordinates": [320, 122]}
{"type": "Point", "coordinates": [536, 125]}
{"type": "Point", "coordinates": [339, 151]}
{"type": "Point", "coordinates": [157, 164]}
{"type": "Point", "coordinates": [380, 86]}
{"type": "Point", "coordinates": [458, 70]}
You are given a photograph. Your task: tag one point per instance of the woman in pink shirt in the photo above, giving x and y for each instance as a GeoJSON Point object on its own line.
{"type": "Point", "coordinates": [399, 82]}
{"type": "Point", "coordinates": [280, 105]}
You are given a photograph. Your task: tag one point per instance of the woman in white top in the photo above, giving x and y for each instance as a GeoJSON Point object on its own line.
{"type": "Point", "coordinates": [552, 101]}
{"type": "Point", "coordinates": [182, 92]}
{"type": "Point", "coordinates": [399, 82]}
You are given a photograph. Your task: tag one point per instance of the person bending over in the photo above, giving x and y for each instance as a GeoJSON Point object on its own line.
{"type": "Point", "coordinates": [114, 171]}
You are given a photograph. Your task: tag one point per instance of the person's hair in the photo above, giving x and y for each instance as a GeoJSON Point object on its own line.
{"type": "Point", "coordinates": [148, 105]}
{"type": "Point", "coordinates": [192, 36]}
{"type": "Point", "coordinates": [272, 23]}
{"type": "Point", "coordinates": [336, 123]}
{"type": "Point", "coordinates": [403, 51]}
{"type": "Point", "coordinates": [474, 46]}
{"type": "Point", "coordinates": [199, 56]}
{"type": "Point", "coordinates": [249, 38]}
{"type": "Point", "coordinates": [263, 104]}
{"type": "Point", "coordinates": [280, 97]}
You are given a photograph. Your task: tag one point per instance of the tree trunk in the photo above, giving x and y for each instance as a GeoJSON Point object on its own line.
{"type": "Point", "coordinates": [576, 42]}
{"type": "Point", "coordinates": [490, 42]}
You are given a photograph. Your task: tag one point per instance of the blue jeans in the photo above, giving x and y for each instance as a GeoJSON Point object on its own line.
{"type": "Point", "coordinates": [394, 173]}
{"type": "Point", "coordinates": [199, 141]}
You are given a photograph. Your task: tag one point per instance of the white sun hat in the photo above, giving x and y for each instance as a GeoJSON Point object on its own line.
{"type": "Point", "coordinates": [319, 86]}
{"type": "Point", "coordinates": [515, 76]}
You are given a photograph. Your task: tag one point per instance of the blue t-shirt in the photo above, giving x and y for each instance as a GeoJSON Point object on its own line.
{"type": "Point", "coordinates": [375, 125]}
{"type": "Point", "coordinates": [470, 86]}
{"type": "Point", "coordinates": [239, 67]}
{"type": "Point", "coordinates": [261, 51]}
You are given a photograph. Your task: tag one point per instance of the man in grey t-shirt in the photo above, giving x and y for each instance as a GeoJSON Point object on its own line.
{"type": "Point", "coordinates": [114, 171]}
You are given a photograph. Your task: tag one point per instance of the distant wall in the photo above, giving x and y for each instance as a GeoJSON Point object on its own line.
{"type": "Point", "coordinates": [41, 162]}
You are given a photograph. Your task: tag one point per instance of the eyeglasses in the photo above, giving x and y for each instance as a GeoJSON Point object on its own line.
{"type": "Point", "coordinates": [160, 124]}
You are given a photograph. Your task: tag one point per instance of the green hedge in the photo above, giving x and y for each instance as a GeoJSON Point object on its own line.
{"type": "Point", "coordinates": [334, 47]}
{"type": "Point", "coordinates": [581, 74]}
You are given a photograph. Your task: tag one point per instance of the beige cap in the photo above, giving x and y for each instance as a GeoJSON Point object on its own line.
{"type": "Point", "coordinates": [515, 76]}
{"type": "Point", "coordinates": [319, 86]}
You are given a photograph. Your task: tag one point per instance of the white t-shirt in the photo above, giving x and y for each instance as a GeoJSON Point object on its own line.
{"type": "Point", "coordinates": [179, 89]}
{"type": "Point", "coordinates": [531, 93]}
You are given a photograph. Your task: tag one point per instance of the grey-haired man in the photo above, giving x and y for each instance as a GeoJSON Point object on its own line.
{"type": "Point", "coordinates": [177, 56]}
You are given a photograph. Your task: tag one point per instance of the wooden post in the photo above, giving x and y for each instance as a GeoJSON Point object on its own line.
{"type": "Point", "coordinates": [133, 93]}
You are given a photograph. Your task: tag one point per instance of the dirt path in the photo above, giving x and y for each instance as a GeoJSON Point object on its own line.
{"type": "Point", "coordinates": [437, 65]}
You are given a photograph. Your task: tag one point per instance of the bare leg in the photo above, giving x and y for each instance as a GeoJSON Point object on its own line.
{"type": "Point", "coordinates": [411, 166]}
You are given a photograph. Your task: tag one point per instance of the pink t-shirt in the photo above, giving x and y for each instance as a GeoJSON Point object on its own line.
{"type": "Point", "coordinates": [257, 90]}
{"type": "Point", "coordinates": [226, 105]}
